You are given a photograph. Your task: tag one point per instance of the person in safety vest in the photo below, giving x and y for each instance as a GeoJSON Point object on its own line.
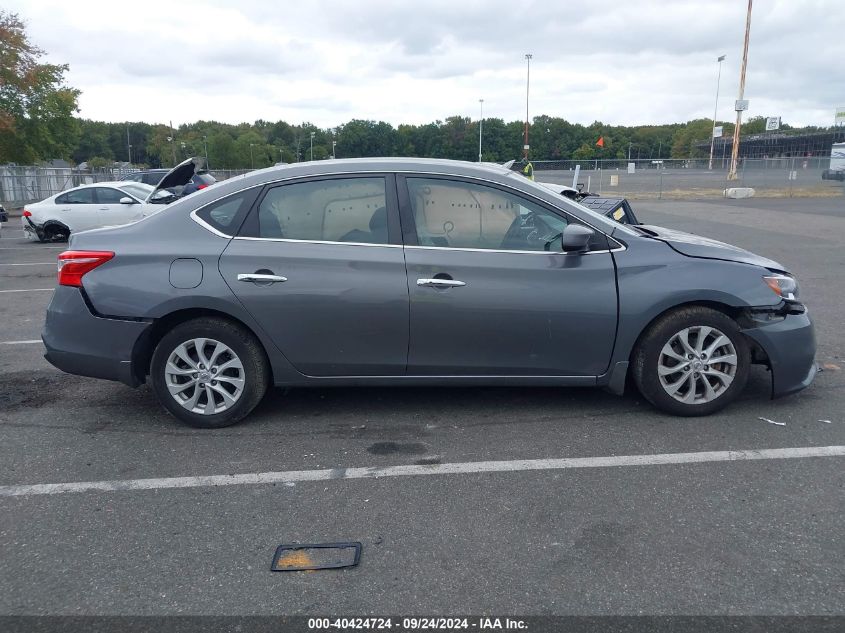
{"type": "Point", "coordinates": [523, 166]}
{"type": "Point", "coordinates": [528, 170]}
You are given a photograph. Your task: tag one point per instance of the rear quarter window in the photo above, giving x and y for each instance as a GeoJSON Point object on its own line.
{"type": "Point", "coordinates": [227, 214]}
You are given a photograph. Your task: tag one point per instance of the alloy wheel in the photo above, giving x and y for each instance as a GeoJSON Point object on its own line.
{"type": "Point", "coordinates": [697, 365]}
{"type": "Point", "coordinates": [204, 376]}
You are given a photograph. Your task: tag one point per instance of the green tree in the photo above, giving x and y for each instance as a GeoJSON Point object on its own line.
{"type": "Point", "coordinates": [585, 152]}
{"type": "Point", "coordinates": [685, 139]}
{"type": "Point", "coordinates": [36, 107]}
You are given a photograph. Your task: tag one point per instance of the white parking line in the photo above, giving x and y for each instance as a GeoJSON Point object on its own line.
{"type": "Point", "coordinates": [30, 290]}
{"type": "Point", "coordinates": [28, 342]}
{"type": "Point", "coordinates": [459, 468]}
{"type": "Point", "coordinates": [32, 264]}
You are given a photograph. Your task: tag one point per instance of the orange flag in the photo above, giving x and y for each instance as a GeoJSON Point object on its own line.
{"type": "Point", "coordinates": [600, 142]}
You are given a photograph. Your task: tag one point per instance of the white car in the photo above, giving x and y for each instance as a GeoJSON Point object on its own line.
{"type": "Point", "coordinates": [98, 205]}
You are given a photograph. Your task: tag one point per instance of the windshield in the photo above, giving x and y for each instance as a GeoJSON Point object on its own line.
{"type": "Point", "coordinates": [137, 189]}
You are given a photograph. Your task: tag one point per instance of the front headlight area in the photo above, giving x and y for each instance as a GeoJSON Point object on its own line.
{"type": "Point", "coordinates": [783, 286]}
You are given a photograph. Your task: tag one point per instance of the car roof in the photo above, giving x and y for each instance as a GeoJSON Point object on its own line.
{"type": "Point", "coordinates": [416, 166]}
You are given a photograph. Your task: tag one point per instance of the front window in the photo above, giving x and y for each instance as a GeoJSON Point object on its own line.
{"type": "Point", "coordinates": [465, 215]}
{"type": "Point", "coordinates": [107, 195]}
{"type": "Point", "coordinates": [336, 210]}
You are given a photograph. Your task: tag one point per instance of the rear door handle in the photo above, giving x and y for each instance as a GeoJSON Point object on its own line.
{"type": "Point", "coordinates": [259, 277]}
{"type": "Point", "coordinates": [440, 283]}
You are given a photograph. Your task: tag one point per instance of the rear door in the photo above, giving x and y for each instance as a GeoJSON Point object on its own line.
{"type": "Point", "coordinates": [319, 264]}
{"type": "Point", "coordinates": [491, 292]}
{"type": "Point", "coordinates": [77, 209]}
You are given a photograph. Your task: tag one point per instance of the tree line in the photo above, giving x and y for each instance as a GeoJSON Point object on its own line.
{"type": "Point", "coordinates": [38, 123]}
{"type": "Point", "coordinates": [263, 143]}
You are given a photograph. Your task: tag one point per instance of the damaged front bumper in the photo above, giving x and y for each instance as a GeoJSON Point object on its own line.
{"type": "Point", "coordinates": [786, 336]}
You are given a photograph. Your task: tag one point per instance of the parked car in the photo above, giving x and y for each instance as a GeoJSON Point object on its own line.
{"type": "Point", "coordinates": [99, 204]}
{"type": "Point", "coordinates": [4, 217]}
{"type": "Point", "coordinates": [200, 180]}
{"type": "Point", "coordinates": [415, 272]}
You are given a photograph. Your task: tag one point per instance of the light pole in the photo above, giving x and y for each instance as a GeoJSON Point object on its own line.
{"type": "Point", "coordinates": [205, 145]}
{"type": "Point", "coordinates": [251, 158]}
{"type": "Point", "coordinates": [715, 111]}
{"type": "Point", "coordinates": [480, 127]}
{"type": "Point", "coordinates": [629, 151]}
{"type": "Point", "coordinates": [312, 145]}
{"type": "Point", "coordinates": [528, 57]}
{"type": "Point", "coordinates": [739, 106]}
{"type": "Point", "coordinates": [128, 144]}
{"type": "Point", "coordinates": [334, 144]}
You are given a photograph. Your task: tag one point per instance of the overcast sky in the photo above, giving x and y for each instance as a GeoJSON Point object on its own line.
{"type": "Point", "coordinates": [617, 61]}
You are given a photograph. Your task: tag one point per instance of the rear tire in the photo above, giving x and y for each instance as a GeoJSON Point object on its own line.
{"type": "Point", "coordinates": [209, 372]}
{"type": "Point", "coordinates": [692, 361]}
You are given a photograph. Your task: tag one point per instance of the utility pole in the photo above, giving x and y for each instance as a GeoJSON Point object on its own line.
{"type": "Point", "coordinates": [172, 143]}
{"type": "Point", "coordinates": [715, 111]}
{"type": "Point", "coordinates": [205, 145]}
{"type": "Point", "coordinates": [528, 57]}
{"type": "Point", "coordinates": [480, 127]}
{"type": "Point", "coordinates": [739, 106]}
{"type": "Point", "coordinates": [128, 146]}
{"type": "Point", "coordinates": [312, 145]}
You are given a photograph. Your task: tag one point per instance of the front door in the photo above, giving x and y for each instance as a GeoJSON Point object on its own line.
{"type": "Point", "coordinates": [110, 210]}
{"type": "Point", "coordinates": [492, 293]}
{"type": "Point", "coordinates": [319, 264]}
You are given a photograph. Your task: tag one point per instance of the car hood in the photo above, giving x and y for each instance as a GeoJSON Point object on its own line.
{"type": "Point", "coordinates": [696, 246]}
{"type": "Point", "coordinates": [176, 177]}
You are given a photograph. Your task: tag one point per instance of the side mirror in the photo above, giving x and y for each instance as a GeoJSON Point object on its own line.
{"type": "Point", "coordinates": [127, 200]}
{"type": "Point", "coordinates": [576, 238]}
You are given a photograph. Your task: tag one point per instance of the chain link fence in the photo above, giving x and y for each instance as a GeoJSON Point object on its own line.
{"type": "Point", "coordinates": [20, 185]}
{"type": "Point", "coordinates": [650, 178]}
{"type": "Point", "coordinates": [643, 178]}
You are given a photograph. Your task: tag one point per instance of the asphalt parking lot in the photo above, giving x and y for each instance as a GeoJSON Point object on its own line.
{"type": "Point", "coordinates": [745, 532]}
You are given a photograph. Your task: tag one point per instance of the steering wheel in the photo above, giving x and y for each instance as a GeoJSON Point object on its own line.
{"type": "Point", "coordinates": [526, 230]}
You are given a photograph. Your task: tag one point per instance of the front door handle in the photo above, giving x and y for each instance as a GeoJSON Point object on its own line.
{"type": "Point", "coordinates": [440, 283]}
{"type": "Point", "coordinates": [261, 278]}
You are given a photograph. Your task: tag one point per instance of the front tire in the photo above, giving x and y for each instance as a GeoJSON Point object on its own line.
{"type": "Point", "coordinates": [209, 372]}
{"type": "Point", "coordinates": [692, 361]}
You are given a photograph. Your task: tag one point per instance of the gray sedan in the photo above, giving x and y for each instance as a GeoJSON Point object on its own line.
{"type": "Point", "coordinates": [415, 272]}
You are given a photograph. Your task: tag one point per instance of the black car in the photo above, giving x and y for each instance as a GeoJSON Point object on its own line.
{"type": "Point", "coordinates": [200, 180]}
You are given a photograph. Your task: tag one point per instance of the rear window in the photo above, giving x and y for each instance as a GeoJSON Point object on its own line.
{"type": "Point", "coordinates": [154, 177]}
{"type": "Point", "coordinates": [77, 196]}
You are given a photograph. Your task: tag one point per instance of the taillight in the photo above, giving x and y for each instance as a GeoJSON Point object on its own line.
{"type": "Point", "coordinates": [26, 213]}
{"type": "Point", "coordinates": [201, 186]}
{"type": "Point", "coordinates": [74, 264]}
